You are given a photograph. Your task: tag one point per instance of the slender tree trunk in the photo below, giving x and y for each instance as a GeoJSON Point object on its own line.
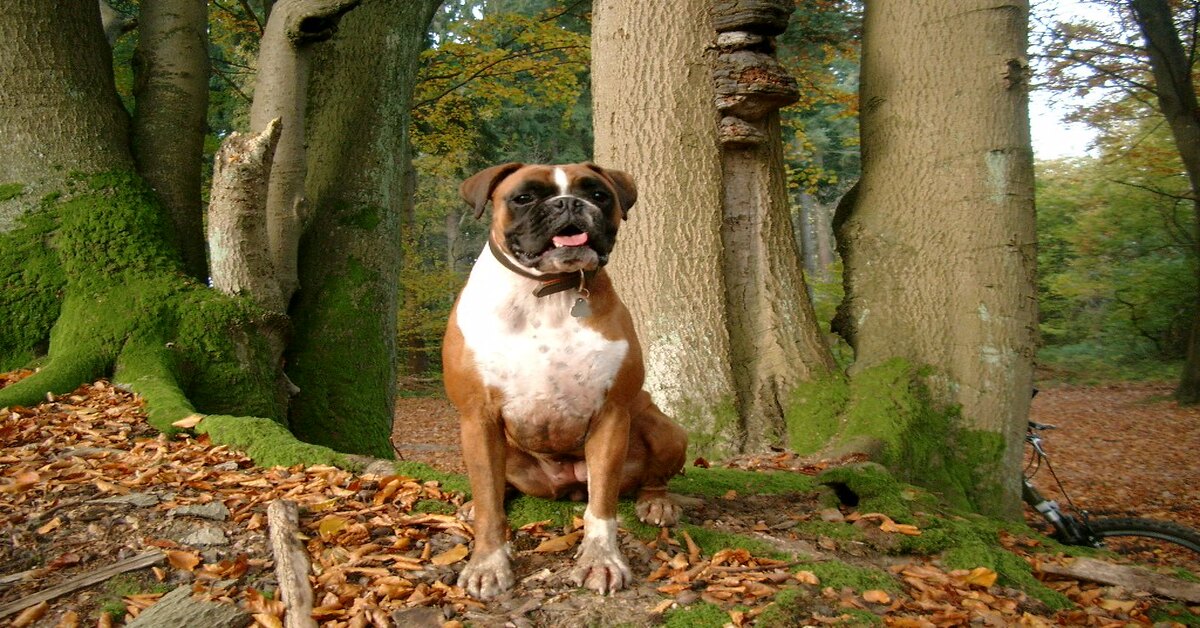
{"type": "Point", "coordinates": [171, 89]}
{"type": "Point", "coordinates": [1176, 93]}
{"type": "Point", "coordinates": [939, 243]}
{"type": "Point", "coordinates": [709, 268]}
{"type": "Point", "coordinates": [344, 355]}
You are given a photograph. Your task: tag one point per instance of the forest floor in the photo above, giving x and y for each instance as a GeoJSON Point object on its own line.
{"type": "Point", "coordinates": [85, 484]}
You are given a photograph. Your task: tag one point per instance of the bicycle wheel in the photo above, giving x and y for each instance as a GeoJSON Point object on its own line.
{"type": "Point", "coordinates": [1148, 540]}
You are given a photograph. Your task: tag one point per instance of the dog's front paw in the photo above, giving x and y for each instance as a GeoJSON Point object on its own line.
{"type": "Point", "coordinates": [657, 509]}
{"type": "Point", "coordinates": [601, 567]}
{"type": "Point", "coordinates": [487, 576]}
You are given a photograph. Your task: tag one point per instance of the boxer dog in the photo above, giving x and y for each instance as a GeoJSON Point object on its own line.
{"type": "Point", "coordinates": [541, 360]}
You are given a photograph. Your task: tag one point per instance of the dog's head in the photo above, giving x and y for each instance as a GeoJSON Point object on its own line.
{"type": "Point", "coordinates": [553, 218]}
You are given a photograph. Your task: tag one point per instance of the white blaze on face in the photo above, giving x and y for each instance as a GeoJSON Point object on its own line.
{"type": "Point", "coordinates": [560, 179]}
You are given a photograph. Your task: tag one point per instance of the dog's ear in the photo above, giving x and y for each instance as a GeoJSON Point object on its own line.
{"type": "Point", "coordinates": [622, 183]}
{"type": "Point", "coordinates": [477, 189]}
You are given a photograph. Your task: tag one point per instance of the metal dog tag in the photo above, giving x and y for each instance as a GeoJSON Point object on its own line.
{"type": "Point", "coordinates": [581, 309]}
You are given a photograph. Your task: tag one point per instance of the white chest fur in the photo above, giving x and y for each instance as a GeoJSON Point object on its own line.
{"type": "Point", "coordinates": [549, 367]}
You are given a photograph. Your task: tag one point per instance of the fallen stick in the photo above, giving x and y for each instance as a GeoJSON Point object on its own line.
{"type": "Point", "coordinates": [291, 563]}
{"type": "Point", "coordinates": [1131, 578]}
{"type": "Point", "coordinates": [100, 575]}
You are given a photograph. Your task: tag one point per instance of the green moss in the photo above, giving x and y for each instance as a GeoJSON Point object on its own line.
{"type": "Point", "coordinates": [830, 529]}
{"type": "Point", "coordinates": [869, 487]}
{"type": "Point", "coordinates": [346, 377]}
{"type": "Point", "coordinates": [888, 412]}
{"type": "Point", "coordinates": [1173, 612]}
{"type": "Point", "coordinates": [365, 217]}
{"type": "Point", "coordinates": [434, 506]}
{"type": "Point", "coordinates": [114, 590]}
{"type": "Point", "coordinates": [31, 286]}
{"type": "Point", "coordinates": [838, 574]}
{"type": "Point", "coordinates": [710, 541]}
{"type": "Point", "coordinates": [716, 482]}
{"type": "Point", "coordinates": [702, 615]}
{"type": "Point", "coordinates": [711, 427]}
{"type": "Point", "coordinates": [525, 509]}
{"type": "Point", "coordinates": [1012, 570]}
{"type": "Point", "coordinates": [791, 607]}
{"type": "Point", "coordinates": [268, 443]}
{"type": "Point", "coordinates": [813, 415]}
{"type": "Point", "coordinates": [448, 481]}
{"type": "Point", "coordinates": [9, 191]}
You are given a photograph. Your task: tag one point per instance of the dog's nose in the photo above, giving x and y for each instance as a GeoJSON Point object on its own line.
{"type": "Point", "coordinates": [566, 204]}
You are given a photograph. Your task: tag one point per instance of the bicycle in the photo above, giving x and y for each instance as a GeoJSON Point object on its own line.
{"type": "Point", "coordinates": [1083, 530]}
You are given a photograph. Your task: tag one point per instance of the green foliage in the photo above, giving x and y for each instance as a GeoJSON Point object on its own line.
{"type": "Point", "coordinates": [1117, 270]}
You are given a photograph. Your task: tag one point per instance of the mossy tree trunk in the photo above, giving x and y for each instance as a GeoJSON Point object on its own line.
{"type": "Point", "coordinates": [91, 277]}
{"type": "Point", "coordinates": [707, 263]}
{"type": "Point", "coordinates": [343, 356]}
{"type": "Point", "coordinates": [938, 241]}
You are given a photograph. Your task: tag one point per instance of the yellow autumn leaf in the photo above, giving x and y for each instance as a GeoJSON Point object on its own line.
{"type": "Point", "coordinates": [450, 556]}
{"type": "Point", "coordinates": [267, 621]}
{"type": "Point", "coordinates": [559, 543]}
{"type": "Point", "coordinates": [981, 576]}
{"type": "Point", "coordinates": [189, 421]}
{"type": "Point", "coordinates": [331, 525]}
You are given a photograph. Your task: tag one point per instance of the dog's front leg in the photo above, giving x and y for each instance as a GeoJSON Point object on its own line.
{"type": "Point", "coordinates": [489, 573]}
{"type": "Point", "coordinates": [599, 563]}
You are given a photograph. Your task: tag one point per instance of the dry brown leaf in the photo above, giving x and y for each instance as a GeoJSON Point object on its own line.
{"type": "Point", "coordinates": [451, 556]}
{"type": "Point", "coordinates": [30, 615]}
{"type": "Point", "coordinates": [180, 559]}
{"type": "Point", "coordinates": [877, 596]}
{"type": "Point", "coordinates": [267, 621]}
{"type": "Point", "coordinates": [69, 619]}
{"type": "Point", "coordinates": [189, 421]}
{"type": "Point", "coordinates": [807, 577]}
{"type": "Point", "coordinates": [559, 543]}
{"type": "Point", "coordinates": [49, 525]}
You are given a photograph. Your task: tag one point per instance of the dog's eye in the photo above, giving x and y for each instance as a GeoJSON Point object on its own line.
{"type": "Point", "coordinates": [599, 196]}
{"type": "Point", "coordinates": [521, 199]}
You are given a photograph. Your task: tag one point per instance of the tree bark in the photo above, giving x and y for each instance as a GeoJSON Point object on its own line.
{"type": "Point", "coordinates": [281, 92]}
{"type": "Point", "coordinates": [171, 88]}
{"type": "Point", "coordinates": [710, 270]}
{"type": "Point", "coordinates": [1176, 93]}
{"type": "Point", "coordinates": [939, 243]}
{"type": "Point", "coordinates": [344, 354]}
{"type": "Point", "coordinates": [59, 113]}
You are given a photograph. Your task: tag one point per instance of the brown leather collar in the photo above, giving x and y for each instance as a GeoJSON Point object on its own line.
{"type": "Point", "coordinates": [551, 283]}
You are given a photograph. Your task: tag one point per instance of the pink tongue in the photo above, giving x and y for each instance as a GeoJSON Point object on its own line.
{"type": "Point", "coordinates": [578, 239]}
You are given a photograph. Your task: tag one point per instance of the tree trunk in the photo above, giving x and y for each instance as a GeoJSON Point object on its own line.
{"type": "Point", "coordinates": [939, 243]}
{"type": "Point", "coordinates": [50, 126]}
{"type": "Point", "coordinates": [58, 115]}
{"type": "Point", "coordinates": [710, 269]}
{"type": "Point", "coordinates": [1176, 93]}
{"type": "Point", "coordinates": [343, 357]}
{"type": "Point", "coordinates": [171, 89]}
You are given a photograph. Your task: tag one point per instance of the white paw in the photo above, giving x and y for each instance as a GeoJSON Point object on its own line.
{"type": "Point", "coordinates": [601, 568]}
{"type": "Point", "coordinates": [658, 509]}
{"type": "Point", "coordinates": [487, 576]}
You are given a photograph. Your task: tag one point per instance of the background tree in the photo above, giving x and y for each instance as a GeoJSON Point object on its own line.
{"type": "Point", "coordinates": [1139, 63]}
{"type": "Point", "coordinates": [727, 331]}
{"type": "Point", "coordinates": [938, 241]}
